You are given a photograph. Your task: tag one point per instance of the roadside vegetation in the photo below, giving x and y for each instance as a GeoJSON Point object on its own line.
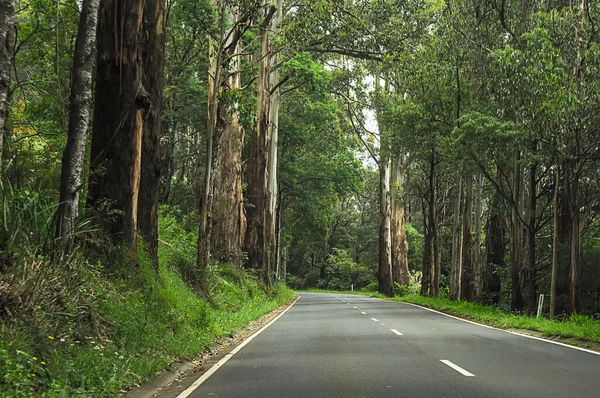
{"type": "Point", "coordinates": [73, 327]}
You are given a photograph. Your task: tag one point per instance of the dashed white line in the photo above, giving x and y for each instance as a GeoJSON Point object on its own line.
{"type": "Point", "coordinates": [457, 368]}
{"type": "Point", "coordinates": [355, 308]}
{"type": "Point", "coordinates": [348, 303]}
{"type": "Point", "coordinates": [374, 320]}
{"type": "Point", "coordinates": [364, 313]}
{"type": "Point", "coordinates": [397, 332]}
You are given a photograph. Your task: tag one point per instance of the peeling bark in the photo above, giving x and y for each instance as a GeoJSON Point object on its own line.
{"type": "Point", "coordinates": [121, 105]}
{"type": "Point", "coordinates": [155, 20]}
{"type": "Point", "coordinates": [398, 221]}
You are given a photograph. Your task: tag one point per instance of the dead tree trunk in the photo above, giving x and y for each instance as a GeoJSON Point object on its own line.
{"type": "Point", "coordinates": [155, 19]}
{"type": "Point", "coordinates": [121, 106]}
{"type": "Point", "coordinates": [7, 34]}
{"type": "Point", "coordinates": [80, 101]}
{"type": "Point", "coordinates": [398, 220]}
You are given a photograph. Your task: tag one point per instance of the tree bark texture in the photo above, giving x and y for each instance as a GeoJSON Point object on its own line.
{"type": "Point", "coordinates": [7, 37]}
{"type": "Point", "coordinates": [121, 107]}
{"type": "Point", "coordinates": [80, 101]}
{"type": "Point", "coordinates": [262, 155]}
{"type": "Point", "coordinates": [398, 221]}
{"type": "Point", "coordinates": [555, 240]}
{"type": "Point", "coordinates": [386, 283]}
{"type": "Point", "coordinates": [222, 220]}
{"type": "Point", "coordinates": [155, 20]}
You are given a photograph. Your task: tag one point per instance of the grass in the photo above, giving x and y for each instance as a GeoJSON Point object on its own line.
{"type": "Point", "coordinates": [76, 329]}
{"type": "Point", "coordinates": [575, 327]}
{"type": "Point", "coordinates": [146, 330]}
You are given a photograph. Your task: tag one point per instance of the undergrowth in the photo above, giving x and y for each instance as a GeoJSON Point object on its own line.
{"type": "Point", "coordinates": [72, 327]}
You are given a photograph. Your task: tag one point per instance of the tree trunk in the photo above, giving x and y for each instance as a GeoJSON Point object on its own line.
{"type": "Point", "coordinates": [121, 106]}
{"type": "Point", "coordinates": [272, 156]}
{"type": "Point", "coordinates": [455, 270]}
{"type": "Point", "coordinates": [79, 118]}
{"type": "Point", "coordinates": [261, 165]}
{"type": "Point", "coordinates": [494, 248]}
{"type": "Point", "coordinates": [574, 236]}
{"type": "Point", "coordinates": [555, 240]}
{"type": "Point", "coordinates": [155, 20]}
{"type": "Point", "coordinates": [515, 257]}
{"type": "Point", "coordinates": [531, 241]}
{"type": "Point", "coordinates": [434, 289]}
{"type": "Point", "coordinates": [7, 37]}
{"type": "Point", "coordinates": [398, 220]}
{"type": "Point", "coordinates": [467, 285]}
{"type": "Point", "coordinates": [222, 221]}
{"type": "Point", "coordinates": [386, 283]}
{"type": "Point", "coordinates": [477, 266]}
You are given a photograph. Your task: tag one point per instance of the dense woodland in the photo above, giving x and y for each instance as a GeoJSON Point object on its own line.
{"type": "Point", "coordinates": [443, 147]}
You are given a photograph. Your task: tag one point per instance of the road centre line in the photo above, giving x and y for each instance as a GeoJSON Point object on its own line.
{"type": "Point", "coordinates": [397, 332]}
{"type": "Point", "coordinates": [364, 313]}
{"type": "Point", "coordinates": [374, 320]}
{"type": "Point", "coordinates": [355, 308]}
{"type": "Point", "coordinates": [457, 368]}
{"type": "Point", "coordinates": [187, 392]}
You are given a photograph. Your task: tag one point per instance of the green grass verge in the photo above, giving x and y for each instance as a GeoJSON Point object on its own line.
{"type": "Point", "coordinates": [142, 324]}
{"type": "Point", "coordinates": [577, 326]}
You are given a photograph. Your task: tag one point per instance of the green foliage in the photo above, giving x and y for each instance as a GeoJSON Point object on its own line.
{"type": "Point", "coordinates": [69, 329]}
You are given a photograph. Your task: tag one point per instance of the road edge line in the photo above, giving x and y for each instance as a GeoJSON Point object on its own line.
{"type": "Point", "coordinates": [501, 330]}
{"type": "Point", "coordinates": [200, 380]}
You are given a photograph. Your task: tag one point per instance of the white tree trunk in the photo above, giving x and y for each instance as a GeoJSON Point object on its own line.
{"type": "Point", "coordinates": [79, 118]}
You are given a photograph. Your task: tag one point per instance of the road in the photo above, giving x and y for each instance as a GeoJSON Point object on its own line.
{"type": "Point", "coordinates": [335, 345]}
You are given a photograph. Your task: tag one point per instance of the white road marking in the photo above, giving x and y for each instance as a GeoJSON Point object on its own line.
{"type": "Point", "coordinates": [506, 331]}
{"type": "Point", "coordinates": [374, 320]}
{"type": "Point", "coordinates": [348, 303]}
{"type": "Point", "coordinates": [397, 332]}
{"type": "Point", "coordinates": [355, 308]}
{"type": "Point", "coordinates": [186, 393]}
{"type": "Point", "coordinates": [364, 313]}
{"type": "Point", "coordinates": [457, 368]}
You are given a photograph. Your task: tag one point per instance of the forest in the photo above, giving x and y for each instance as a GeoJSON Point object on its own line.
{"type": "Point", "coordinates": [171, 169]}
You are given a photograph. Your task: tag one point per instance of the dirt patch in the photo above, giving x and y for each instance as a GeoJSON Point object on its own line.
{"type": "Point", "coordinates": [172, 381]}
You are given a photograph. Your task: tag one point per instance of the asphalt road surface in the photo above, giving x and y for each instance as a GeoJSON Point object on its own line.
{"type": "Point", "coordinates": [335, 345]}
